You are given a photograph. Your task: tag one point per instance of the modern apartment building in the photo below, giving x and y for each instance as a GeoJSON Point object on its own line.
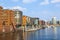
{"type": "Point", "coordinates": [35, 21]}
{"type": "Point", "coordinates": [54, 20]}
{"type": "Point", "coordinates": [18, 17]}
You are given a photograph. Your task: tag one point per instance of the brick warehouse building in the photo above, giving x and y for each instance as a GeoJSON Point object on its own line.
{"type": "Point", "coordinates": [7, 21]}
{"type": "Point", "coordinates": [24, 20]}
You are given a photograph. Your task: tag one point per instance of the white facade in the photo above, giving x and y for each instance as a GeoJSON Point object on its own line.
{"type": "Point", "coordinates": [18, 17]}
{"type": "Point", "coordinates": [54, 20]}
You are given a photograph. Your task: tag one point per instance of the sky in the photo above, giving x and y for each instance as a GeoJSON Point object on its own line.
{"type": "Point", "coordinates": [43, 9]}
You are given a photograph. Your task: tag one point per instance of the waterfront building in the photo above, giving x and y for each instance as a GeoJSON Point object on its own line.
{"type": "Point", "coordinates": [58, 22]}
{"type": "Point", "coordinates": [35, 21]}
{"type": "Point", "coordinates": [54, 20]}
{"type": "Point", "coordinates": [49, 23]}
{"type": "Point", "coordinates": [26, 20]}
{"type": "Point", "coordinates": [7, 20]}
{"type": "Point", "coordinates": [18, 17]}
{"type": "Point", "coordinates": [42, 22]}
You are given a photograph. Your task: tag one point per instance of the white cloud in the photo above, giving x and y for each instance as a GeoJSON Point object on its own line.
{"type": "Point", "coordinates": [45, 2]}
{"type": "Point", "coordinates": [20, 8]}
{"type": "Point", "coordinates": [16, 7]}
{"type": "Point", "coordinates": [55, 1]}
{"type": "Point", "coordinates": [28, 1]}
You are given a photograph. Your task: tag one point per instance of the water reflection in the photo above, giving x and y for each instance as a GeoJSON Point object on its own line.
{"type": "Point", "coordinates": [55, 30]}
{"type": "Point", "coordinates": [55, 33]}
{"type": "Point", "coordinates": [11, 36]}
{"type": "Point", "coordinates": [43, 34]}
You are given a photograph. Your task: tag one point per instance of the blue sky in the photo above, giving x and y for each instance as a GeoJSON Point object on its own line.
{"type": "Point", "coordinates": [44, 9]}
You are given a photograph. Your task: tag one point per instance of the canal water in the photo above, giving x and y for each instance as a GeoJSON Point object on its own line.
{"type": "Point", "coordinates": [42, 34]}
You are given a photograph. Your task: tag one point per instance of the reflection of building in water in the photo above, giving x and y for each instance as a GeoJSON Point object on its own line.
{"type": "Point", "coordinates": [55, 32]}
{"type": "Point", "coordinates": [12, 36]}
{"type": "Point", "coordinates": [27, 35]}
{"type": "Point", "coordinates": [46, 31]}
{"type": "Point", "coordinates": [37, 33]}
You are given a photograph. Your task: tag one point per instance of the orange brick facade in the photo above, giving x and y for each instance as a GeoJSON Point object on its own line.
{"type": "Point", "coordinates": [6, 19]}
{"type": "Point", "coordinates": [24, 20]}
